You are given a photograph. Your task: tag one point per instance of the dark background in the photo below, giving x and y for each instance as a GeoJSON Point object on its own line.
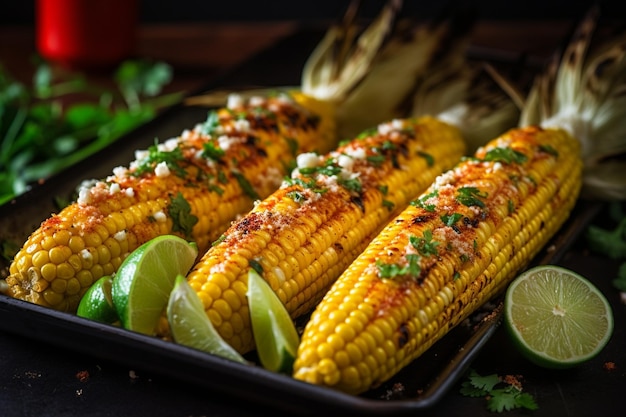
{"type": "Point", "coordinates": [158, 11]}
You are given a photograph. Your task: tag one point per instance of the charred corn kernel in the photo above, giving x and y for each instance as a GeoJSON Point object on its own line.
{"type": "Point", "coordinates": [303, 235]}
{"type": "Point", "coordinates": [193, 186]}
{"type": "Point", "coordinates": [451, 250]}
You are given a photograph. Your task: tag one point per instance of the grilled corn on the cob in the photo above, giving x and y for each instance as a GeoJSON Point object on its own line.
{"type": "Point", "coordinates": [192, 186]}
{"type": "Point", "coordinates": [461, 242]}
{"type": "Point", "coordinates": [302, 236]}
{"type": "Point", "coordinates": [196, 184]}
{"type": "Point", "coordinates": [450, 251]}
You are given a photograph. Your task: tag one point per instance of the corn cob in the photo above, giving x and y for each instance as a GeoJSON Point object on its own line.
{"type": "Point", "coordinates": [192, 186]}
{"type": "Point", "coordinates": [196, 184]}
{"type": "Point", "coordinates": [450, 251]}
{"type": "Point", "coordinates": [301, 247]}
{"type": "Point", "coordinates": [474, 230]}
{"type": "Point", "coordinates": [302, 236]}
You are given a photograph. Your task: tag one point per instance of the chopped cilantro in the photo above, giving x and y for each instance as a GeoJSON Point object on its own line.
{"type": "Point", "coordinates": [393, 270]}
{"type": "Point", "coordinates": [367, 133]}
{"type": "Point", "coordinates": [469, 196]}
{"type": "Point", "coordinates": [155, 156]}
{"type": "Point", "coordinates": [511, 206]}
{"type": "Point", "coordinates": [389, 204]}
{"type": "Point", "coordinates": [450, 219]}
{"type": "Point", "coordinates": [211, 123]}
{"type": "Point", "coordinates": [210, 151]}
{"type": "Point", "coordinates": [425, 246]}
{"type": "Point", "coordinates": [245, 185]}
{"type": "Point", "coordinates": [549, 150]}
{"type": "Point", "coordinates": [430, 160]}
{"type": "Point", "coordinates": [256, 265]}
{"type": "Point", "coordinates": [384, 189]}
{"type": "Point", "coordinates": [506, 155]}
{"type": "Point", "coordinates": [180, 212]}
{"type": "Point", "coordinates": [421, 201]}
{"type": "Point", "coordinates": [219, 240]}
{"type": "Point", "coordinates": [351, 184]}
{"type": "Point", "coordinates": [376, 160]}
{"type": "Point", "coordinates": [389, 146]}
{"type": "Point", "coordinates": [311, 184]}
{"type": "Point", "coordinates": [216, 189]}
{"type": "Point", "coordinates": [296, 196]}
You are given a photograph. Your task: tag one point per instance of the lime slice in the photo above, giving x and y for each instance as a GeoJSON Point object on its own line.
{"type": "Point", "coordinates": [97, 304]}
{"type": "Point", "coordinates": [557, 318]}
{"type": "Point", "coordinates": [143, 283]}
{"type": "Point", "coordinates": [274, 331]}
{"type": "Point", "coordinates": [190, 326]}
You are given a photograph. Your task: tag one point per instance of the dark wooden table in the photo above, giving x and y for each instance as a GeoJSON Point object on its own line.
{"type": "Point", "coordinates": [41, 379]}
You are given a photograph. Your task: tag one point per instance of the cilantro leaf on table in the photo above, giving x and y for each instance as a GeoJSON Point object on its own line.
{"type": "Point", "coordinates": [501, 396]}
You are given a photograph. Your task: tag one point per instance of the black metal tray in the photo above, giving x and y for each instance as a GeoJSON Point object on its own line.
{"type": "Point", "coordinates": [423, 383]}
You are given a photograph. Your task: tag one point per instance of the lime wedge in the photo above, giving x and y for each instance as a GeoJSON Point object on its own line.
{"type": "Point", "coordinates": [190, 326]}
{"type": "Point", "coordinates": [274, 331]}
{"type": "Point", "coordinates": [557, 318]}
{"type": "Point", "coordinates": [97, 304]}
{"type": "Point", "coordinates": [143, 283]}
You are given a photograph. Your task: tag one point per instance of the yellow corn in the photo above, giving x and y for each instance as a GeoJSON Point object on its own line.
{"type": "Point", "coordinates": [449, 252]}
{"type": "Point", "coordinates": [307, 232]}
{"type": "Point", "coordinates": [193, 186]}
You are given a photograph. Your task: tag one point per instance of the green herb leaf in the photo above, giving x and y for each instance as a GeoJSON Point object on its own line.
{"type": "Point", "coordinates": [430, 160]}
{"type": "Point", "coordinates": [506, 155]}
{"type": "Point", "coordinates": [180, 212]}
{"type": "Point", "coordinates": [611, 243]}
{"type": "Point", "coordinates": [245, 185]}
{"type": "Point", "coordinates": [451, 219]}
{"type": "Point", "coordinates": [210, 151]}
{"type": "Point", "coordinates": [499, 398]}
{"type": "Point", "coordinates": [469, 196]}
{"type": "Point", "coordinates": [425, 246]}
{"type": "Point", "coordinates": [256, 265]}
{"type": "Point", "coordinates": [393, 270]}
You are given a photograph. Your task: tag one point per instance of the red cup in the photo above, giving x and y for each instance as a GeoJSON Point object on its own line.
{"type": "Point", "coordinates": [86, 34]}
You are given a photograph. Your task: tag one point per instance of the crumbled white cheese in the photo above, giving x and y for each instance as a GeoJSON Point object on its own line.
{"type": "Point", "coordinates": [114, 188]}
{"type": "Point", "coordinates": [130, 192]}
{"type": "Point", "coordinates": [169, 145]}
{"type": "Point", "coordinates": [159, 216]}
{"type": "Point", "coordinates": [234, 101]}
{"type": "Point", "coordinates": [224, 141]}
{"type": "Point", "coordinates": [307, 160]}
{"type": "Point", "coordinates": [242, 125]}
{"type": "Point", "coordinates": [141, 154]}
{"type": "Point", "coordinates": [345, 162]}
{"type": "Point", "coordinates": [120, 236]}
{"type": "Point", "coordinates": [120, 172]}
{"type": "Point", "coordinates": [86, 255]}
{"type": "Point", "coordinates": [356, 153]}
{"type": "Point", "coordinates": [162, 170]}
{"type": "Point", "coordinates": [257, 101]}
